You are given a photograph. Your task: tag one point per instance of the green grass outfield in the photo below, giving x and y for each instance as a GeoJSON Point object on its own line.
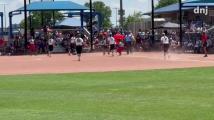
{"type": "Point", "coordinates": [183, 94]}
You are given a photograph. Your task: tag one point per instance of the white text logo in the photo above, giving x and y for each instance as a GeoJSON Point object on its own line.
{"type": "Point", "coordinates": [201, 10]}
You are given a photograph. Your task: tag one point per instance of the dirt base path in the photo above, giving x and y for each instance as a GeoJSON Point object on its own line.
{"type": "Point", "coordinates": [96, 62]}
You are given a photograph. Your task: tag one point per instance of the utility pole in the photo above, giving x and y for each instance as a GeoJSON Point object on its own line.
{"type": "Point", "coordinates": [91, 26]}
{"type": "Point", "coordinates": [25, 16]}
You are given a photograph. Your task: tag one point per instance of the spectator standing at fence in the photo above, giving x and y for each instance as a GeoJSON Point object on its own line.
{"type": "Point", "coordinates": [139, 37]}
{"type": "Point", "coordinates": [41, 45]}
{"type": "Point", "coordinates": [2, 46]}
{"type": "Point", "coordinates": [79, 45]}
{"type": "Point", "coordinates": [204, 39]}
{"type": "Point", "coordinates": [32, 46]}
{"type": "Point", "coordinates": [65, 43]}
{"type": "Point", "coordinates": [165, 42]}
{"type": "Point", "coordinates": [10, 49]}
{"type": "Point", "coordinates": [103, 43]}
{"type": "Point", "coordinates": [128, 42]}
{"type": "Point", "coordinates": [17, 44]}
{"type": "Point", "coordinates": [45, 32]}
{"type": "Point", "coordinates": [50, 46]}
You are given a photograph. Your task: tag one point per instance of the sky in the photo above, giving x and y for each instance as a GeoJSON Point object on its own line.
{"type": "Point", "coordinates": [130, 7]}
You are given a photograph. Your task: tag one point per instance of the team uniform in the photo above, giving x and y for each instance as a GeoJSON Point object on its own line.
{"type": "Point", "coordinates": [112, 43]}
{"type": "Point", "coordinates": [50, 46]}
{"type": "Point", "coordinates": [72, 45]}
{"type": "Point", "coordinates": [165, 42]}
{"type": "Point", "coordinates": [79, 45]}
{"type": "Point", "coordinates": [204, 39]}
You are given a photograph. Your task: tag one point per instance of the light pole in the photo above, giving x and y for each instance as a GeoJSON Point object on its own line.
{"type": "Point", "coordinates": [121, 13]}
{"type": "Point", "coordinates": [5, 18]}
{"type": "Point", "coordinates": [54, 17]}
{"type": "Point", "coordinates": [42, 17]}
{"type": "Point", "coordinates": [25, 16]}
{"type": "Point", "coordinates": [30, 17]}
{"type": "Point", "coordinates": [180, 17]}
{"type": "Point", "coordinates": [153, 21]}
{"type": "Point", "coordinates": [91, 26]}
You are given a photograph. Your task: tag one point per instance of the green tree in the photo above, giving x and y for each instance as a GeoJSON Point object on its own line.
{"type": "Point", "coordinates": [105, 11]}
{"type": "Point", "coordinates": [163, 3]}
{"type": "Point", "coordinates": [136, 17]}
{"type": "Point", "coordinates": [37, 21]}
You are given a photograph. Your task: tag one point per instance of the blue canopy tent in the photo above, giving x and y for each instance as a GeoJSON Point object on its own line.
{"type": "Point", "coordinates": [87, 16]}
{"type": "Point", "coordinates": [50, 6]}
{"type": "Point", "coordinates": [198, 3]}
{"type": "Point", "coordinates": [183, 6]}
{"type": "Point", "coordinates": [195, 3]}
{"type": "Point", "coordinates": [54, 6]}
{"type": "Point", "coordinates": [168, 9]}
{"type": "Point", "coordinates": [186, 5]}
{"type": "Point", "coordinates": [70, 22]}
{"type": "Point", "coordinates": [2, 22]}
